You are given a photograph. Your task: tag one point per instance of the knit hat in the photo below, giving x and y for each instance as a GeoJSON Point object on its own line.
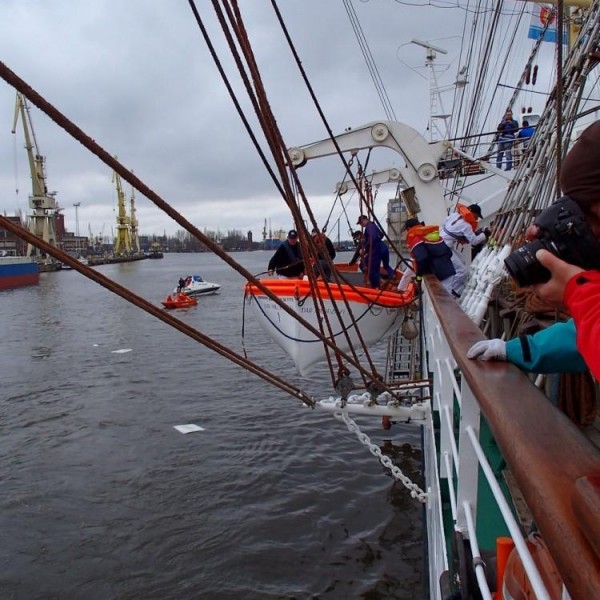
{"type": "Point", "coordinates": [476, 210]}
{"type": "Point", "coordinates": [580, 170]}
{"type": "Point", "coordinates": [410, 223]}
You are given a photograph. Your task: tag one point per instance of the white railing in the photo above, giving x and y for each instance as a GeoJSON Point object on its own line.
{"type": "Point", "coordinates": [461, 461]}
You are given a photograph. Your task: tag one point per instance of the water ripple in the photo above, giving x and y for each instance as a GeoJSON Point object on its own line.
{"type": "Point", "coordinates": [103, 498]}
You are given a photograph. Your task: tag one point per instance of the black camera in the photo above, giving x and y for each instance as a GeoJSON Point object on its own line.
{"type": "Point", "coordinates": [562, 230]}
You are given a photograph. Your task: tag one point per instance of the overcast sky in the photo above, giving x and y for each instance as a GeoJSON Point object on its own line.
{"type": "Point", "coordinates": [136, 76]}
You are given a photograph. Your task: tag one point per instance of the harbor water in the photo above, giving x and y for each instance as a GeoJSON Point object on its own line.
{"type": "Point", "coordinates": [103, 498]}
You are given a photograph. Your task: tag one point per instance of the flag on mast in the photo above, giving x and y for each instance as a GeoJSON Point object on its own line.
{"type": "Point", "coordinates": [543, 23]}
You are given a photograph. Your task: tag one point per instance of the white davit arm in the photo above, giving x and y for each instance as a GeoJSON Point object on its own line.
{"type": "Point", "coordinates": [421, 159]}
{"type": "Point", "coordinates": [376, 178]}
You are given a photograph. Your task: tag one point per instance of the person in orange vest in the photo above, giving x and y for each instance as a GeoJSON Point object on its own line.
{"type": "Point", "coordinates": [430, 254]}
{"type": "Point", "coordinates": [460, 228]}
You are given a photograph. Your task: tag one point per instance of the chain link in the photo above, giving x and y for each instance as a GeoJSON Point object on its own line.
{"type": "Point", "coordinates": [415, 490]}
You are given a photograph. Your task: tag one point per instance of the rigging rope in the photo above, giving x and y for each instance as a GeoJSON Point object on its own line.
{"type": "Point", "coordinates": [12, 79]}
{"type": "Point", "coordinates": [370, 61]}
{"type": "Point", "coordinates": [278, 149]}
{"type": "Point", "coordinates": [279, 152]}
{"type": "Point", "coordinates": [155, 311]}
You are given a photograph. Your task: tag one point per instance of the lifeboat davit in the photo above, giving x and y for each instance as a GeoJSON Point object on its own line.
{"type": "Point", "coordinates": [179, 300]}
{"type": "Point", "coordinates": [377, 314]}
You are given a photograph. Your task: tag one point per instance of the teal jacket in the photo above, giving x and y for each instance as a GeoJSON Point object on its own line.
{"type": "Point", "coordinates": [552, 350]}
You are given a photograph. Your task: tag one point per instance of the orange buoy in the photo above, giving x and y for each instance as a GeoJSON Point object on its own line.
{"type": "Point", "coordinates": [504, 546]}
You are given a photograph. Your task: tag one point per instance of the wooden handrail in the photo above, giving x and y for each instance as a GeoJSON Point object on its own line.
{"type": "Point", "coordinates": [544, 450]}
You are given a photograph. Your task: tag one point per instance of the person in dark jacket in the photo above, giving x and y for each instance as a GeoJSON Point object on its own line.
{"type": "Point", "coordinates": [429, 252]}
{"type": "Point", "coordinates": [357, 238]}
{"type": "Point", "coordinates": [375, 251]}
{"type": "Point", "coordinates": [287, 260]}
{"type": "Point", "coordinates": [507, 130]}
{"type": "Point", "coordinates": [324, 249]}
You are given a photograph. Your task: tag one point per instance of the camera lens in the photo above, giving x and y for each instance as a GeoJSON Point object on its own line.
{"type": "Point", "coordinates": [524, 267]}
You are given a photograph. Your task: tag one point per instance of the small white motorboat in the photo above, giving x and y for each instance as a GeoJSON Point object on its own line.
{"type": "Point", "coordinates": [196, 286]}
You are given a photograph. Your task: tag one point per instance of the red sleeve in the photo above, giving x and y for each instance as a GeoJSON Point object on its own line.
{"type": "Point", "coordinates": [582, 296]}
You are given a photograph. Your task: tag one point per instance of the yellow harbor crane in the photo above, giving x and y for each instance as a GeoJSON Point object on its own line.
{"type": "Point", "coordinates": [122, 245]}
{"type": "Point", "coordinates": [133, 223]}
{"type": "Point", "coordinates": [41, 222]}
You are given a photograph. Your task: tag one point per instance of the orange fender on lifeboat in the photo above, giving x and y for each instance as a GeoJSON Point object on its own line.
{"type": "Point", "coordinates": [300, 288]}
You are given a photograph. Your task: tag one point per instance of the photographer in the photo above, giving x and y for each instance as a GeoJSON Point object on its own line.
{"type": "Point", "coordinates": [579, 291]}
{"type": "Point", "coordinates": [572, 286]}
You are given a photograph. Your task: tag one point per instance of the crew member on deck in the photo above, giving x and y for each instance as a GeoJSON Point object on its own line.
{"type": "Point", "coordinates": [287, 260]}
{"type": "Point", "coordinates": [507, 130]}
{"type": "Point", "coordinates": [459, 228]}
{"type": "Point", "coordinates": [375, 250]}
{"type": "Point", "coordinates": [324, 249]}
{"type": "Point", "coordinates": [429, 252]}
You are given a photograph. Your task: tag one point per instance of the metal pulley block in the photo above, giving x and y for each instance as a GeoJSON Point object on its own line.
{"type": "Point", "coordinates": [344, 385]}
{"type": "Point", "coordinates": [375, 389]}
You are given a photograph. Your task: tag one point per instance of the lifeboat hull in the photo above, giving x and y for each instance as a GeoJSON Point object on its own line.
{"type": "Point", "coordinates": [377, 314]}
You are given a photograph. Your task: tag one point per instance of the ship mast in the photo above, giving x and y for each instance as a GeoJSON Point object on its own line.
{"type": "Point", "coordinates": [41, 221]}
{"type": "Point", "coordinates": [436, 107]}
{"type": "Point", "coordinates": [122, 239]}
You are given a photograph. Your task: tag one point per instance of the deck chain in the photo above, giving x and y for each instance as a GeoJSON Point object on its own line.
{"type": "Point", "coordinates": [415, 490]}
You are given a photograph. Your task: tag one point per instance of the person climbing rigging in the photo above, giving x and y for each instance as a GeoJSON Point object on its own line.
{"type": "Point", "coordinates": [460, 228]}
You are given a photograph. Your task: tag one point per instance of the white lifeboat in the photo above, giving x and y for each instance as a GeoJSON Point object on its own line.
{"type": "Point", "coordinates": [377, 314]}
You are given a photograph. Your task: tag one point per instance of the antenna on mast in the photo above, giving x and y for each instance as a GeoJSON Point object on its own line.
{"type": "Point", "coordinates": [436, 108]}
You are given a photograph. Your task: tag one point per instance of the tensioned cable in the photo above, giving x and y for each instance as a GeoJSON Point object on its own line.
{"type": "Point", "coordinates": [19, 84]}
{"type": "Point", "coordinates": [370, 61]}
{"type": "Point", "coordinates": [279, 150]}
{"type": "Point", "coordinates": [154, 310]}
{"type": "Point", "coordinates": [324, 119]}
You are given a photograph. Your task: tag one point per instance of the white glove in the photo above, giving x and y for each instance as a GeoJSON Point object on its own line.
{"type": "Point", "coordinates": [407, 277]}
{"type": "Point", "coordinates": [488, 350]}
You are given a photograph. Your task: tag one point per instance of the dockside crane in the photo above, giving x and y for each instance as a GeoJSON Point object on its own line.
{"type": "Point", "coordinates": [133, 224]}
{"type": "Point", "coordinates": [41, 222]}
{"type": "Point", "coordinates": [122, 245]}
